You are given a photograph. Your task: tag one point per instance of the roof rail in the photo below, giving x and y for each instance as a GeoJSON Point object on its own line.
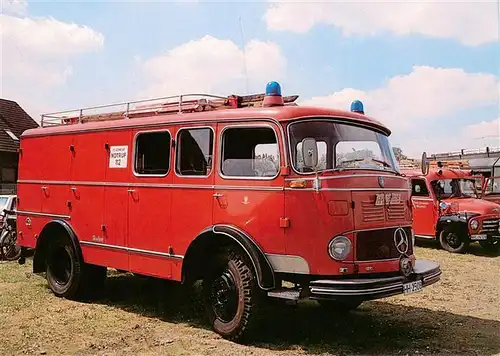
{"type": "Point", "coordinates": [467, 154]}
{"type": "Point", "coordinates": [177, 104]}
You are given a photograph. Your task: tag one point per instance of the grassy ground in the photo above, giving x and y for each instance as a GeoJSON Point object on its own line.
{"type": "Point", "coordinates": [459, 315]}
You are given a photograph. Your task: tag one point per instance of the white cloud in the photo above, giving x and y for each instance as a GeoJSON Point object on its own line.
{"type": "Point", "coordinates": [424, 94]}
{"type": "Point", "coordinates": [408, 104]}
{"type": "Point", "coordinates": [18, 7]}
{"type": "Point", "coordinates": [212, 65]}
{"type": "Point", "coordinates": [472, 23]}
{"type": "Point", "coordinates": [479, 135]}
{"type": "Point", "coordinates": [37, 55]}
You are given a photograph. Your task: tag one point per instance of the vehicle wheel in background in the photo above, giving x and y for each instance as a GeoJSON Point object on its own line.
{"type": "Point", "coordinates": [453, 241]}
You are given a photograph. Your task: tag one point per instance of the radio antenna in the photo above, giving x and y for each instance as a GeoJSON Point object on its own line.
{"type": "Point", "coordinates": [244, 56]}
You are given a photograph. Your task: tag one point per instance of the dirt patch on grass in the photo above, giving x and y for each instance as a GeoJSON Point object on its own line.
{"type": "Point", "coordinates": [459, 315]}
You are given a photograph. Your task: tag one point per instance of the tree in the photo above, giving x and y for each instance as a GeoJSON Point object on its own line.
{"type": "Point", "coordinates": [398, 153]}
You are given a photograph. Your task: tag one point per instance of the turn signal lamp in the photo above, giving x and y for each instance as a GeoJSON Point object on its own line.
{"type": "Point", "coordinates": [273, 95]}
{"type": "Point", "coordinates": [298, 184]}
{"type": "Point", "coordinates": [357, 106]}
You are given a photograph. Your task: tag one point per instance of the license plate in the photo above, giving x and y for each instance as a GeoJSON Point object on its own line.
{"type": "Point", "coordinates": [412, 287]}
{"type": "Point", "coordinates": [479, 237]}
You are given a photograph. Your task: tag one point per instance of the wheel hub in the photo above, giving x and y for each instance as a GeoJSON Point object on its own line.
{"type": "Point", "coordinates": [224, 296]}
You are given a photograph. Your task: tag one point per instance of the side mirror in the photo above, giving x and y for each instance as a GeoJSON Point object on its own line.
{"type": "Point", "coordinates": [310, 152]}
{"type": "Point", "coordinates": [424, 164]}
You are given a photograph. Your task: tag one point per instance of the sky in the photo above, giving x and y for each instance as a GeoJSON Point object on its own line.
{"type": "Point", "coordinates": [429, 70]}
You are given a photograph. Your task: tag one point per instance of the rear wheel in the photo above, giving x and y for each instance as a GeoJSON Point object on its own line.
{"type": "Point", "coordinates": [67, 275]}
{"type": "Point", "coordinates": [453, 241]}
{"type": "Point", "coordinates": [230, 295]}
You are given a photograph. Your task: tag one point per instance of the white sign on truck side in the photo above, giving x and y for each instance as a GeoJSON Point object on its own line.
{"type": "Point", "coordinates": [118, 156]}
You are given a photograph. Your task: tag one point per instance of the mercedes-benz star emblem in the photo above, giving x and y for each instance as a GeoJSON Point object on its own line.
{"type": "Point", "coordinates": [401, 241]}
{"type": "Point", "coordinates": [381, 182]}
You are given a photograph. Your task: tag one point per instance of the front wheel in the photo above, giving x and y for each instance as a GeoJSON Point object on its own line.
{"type": "Point", "coordinates": [453, 241]}
{"type": "Point", "coordinates": [230, 296]}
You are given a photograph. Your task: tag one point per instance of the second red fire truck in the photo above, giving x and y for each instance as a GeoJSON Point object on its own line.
{"type": "Point", "coordinates": [242, 192]}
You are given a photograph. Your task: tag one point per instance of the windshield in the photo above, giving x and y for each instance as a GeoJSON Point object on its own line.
{"type": "Point", "coordinates": [341, 146]}
{"type": "Point", "coordinates": [456, 188]}
{"type": "Point", "coordinates": [3, 204]}
{"type": "Point", "coordinates": [492, 186]}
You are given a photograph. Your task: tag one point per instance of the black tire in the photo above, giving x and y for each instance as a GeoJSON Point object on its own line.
{"type": "Point", "coordinates": [340, 306]}
{"type": "Point", "coordinates": [230, 296]}
{"type": "Point", "coordinates": [67, 275]}
{"type": "Point", "coordinates": [490, 246]}
{"type": "Point", "coordinates": [453, 241]}
{"type": "Point", "coordinates": [9, 250]}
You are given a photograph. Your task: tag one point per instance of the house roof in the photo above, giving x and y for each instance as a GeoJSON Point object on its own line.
{"type": "Point", "coordinates": [13, 122]}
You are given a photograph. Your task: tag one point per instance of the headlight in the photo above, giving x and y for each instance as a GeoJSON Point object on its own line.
{"type": "Point", "coordinates": [339, 248]}
{"type": "Point", "coordinates": [443, 205]}
{"type": "Point", "coordinates": [474, 224]}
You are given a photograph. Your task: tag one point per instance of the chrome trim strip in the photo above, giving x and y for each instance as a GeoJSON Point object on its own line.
{"type": "Point", "coordinates": [323, 290]}
{"type": "Point", "coordinates": [134, 147]}
{"type": "Point", "coordinates": [154, 185]}
{"type": "Point", "coordinates": [351, 189]}
{"type": "Point", "coordinates": [425, 236]}
{"type": "Point", "coordinates": [349, 176]}
{"type": "Point", "coordinates": [288, 263]}
{"type": "Point", "coordinates": [48, 215]}
{"type": "Point", "coordinates": [220, 152]}
{"type": "Point", "coordinates": [374, 229]}
{"type": "Point", "coordinates": [131, 249]}
{"type": "Point", "coordinates": [421, 199]}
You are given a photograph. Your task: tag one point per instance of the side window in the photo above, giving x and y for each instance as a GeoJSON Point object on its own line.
{"type": "Point", "coordinates": [250, 152]}
{"type": "Point", "coordinates": [194, 152]}
{"type": "Point", "coordinates": [419, 188]}
{"type": "Point", "coordinates": [152, 153]}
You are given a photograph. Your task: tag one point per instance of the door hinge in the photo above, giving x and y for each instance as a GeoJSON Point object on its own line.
{"type": "Point", "coordinates": [284, 222]}
{"type": "Point", "coordinates": [353, 204]}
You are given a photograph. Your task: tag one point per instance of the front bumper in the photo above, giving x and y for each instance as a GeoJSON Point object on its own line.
{"type": "Point", "coordinates": [428, 272]}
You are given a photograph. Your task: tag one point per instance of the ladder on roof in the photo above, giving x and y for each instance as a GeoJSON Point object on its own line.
{"type": "Point", "coordinates": [463, 154]}
{"type": "Point", "coordinates": [178, 104]}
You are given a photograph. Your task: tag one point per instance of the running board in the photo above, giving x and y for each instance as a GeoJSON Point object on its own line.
{"type": "Point", "coordinates": [288, 294]}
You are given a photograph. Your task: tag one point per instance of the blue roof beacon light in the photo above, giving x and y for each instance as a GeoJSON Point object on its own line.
{"type": "Point", "coordinates": [357, 106]}
{"type": "Point", "coordinates": [273, 89]}
{"type": "Point", "coordinates": [273, 95]}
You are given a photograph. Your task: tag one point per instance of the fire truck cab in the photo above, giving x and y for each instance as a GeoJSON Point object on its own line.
{"type": "Point", "coordinates": [446, 208]}
{"type": "Point", "coordinates": [242, 192]}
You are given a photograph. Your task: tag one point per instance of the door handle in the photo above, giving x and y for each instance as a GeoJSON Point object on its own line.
{"type": "Point", "coordinates": [218, 195]}
{"type": "Point", "coordinates": [131, 190]}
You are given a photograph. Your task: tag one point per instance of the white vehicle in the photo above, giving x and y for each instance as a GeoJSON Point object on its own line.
{"type": "Point", "coordinates": [6, 202]}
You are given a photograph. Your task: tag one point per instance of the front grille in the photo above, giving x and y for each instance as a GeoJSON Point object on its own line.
{"type": "Point", "coordinates": [396, 212]}
{"type": "Point", "coordinates": [379, 213]}
{"type": "Point", "coordinates": [490, 226]}
{"type": "Point", "coordinates": [379, 244]}
{"type": "Point", "coordinates": [371, 212]}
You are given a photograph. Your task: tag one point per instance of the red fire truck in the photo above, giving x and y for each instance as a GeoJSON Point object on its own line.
{"type": "Point", "coordinates": [243, 192]}
{"type": "Point", "coordinates": [446, 208]}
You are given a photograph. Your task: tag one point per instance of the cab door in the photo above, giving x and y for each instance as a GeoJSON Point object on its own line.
{"type": "Point", "coordinates": [192, 188]}
{"type": "Point", "coordinates": [424, 209]}
{"type": "Point", "coordinates": [149, 201]}
{"type": "Point", "coordinates": [249, 190]}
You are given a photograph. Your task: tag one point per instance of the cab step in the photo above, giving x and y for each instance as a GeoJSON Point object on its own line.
{"type": "Point", "coordinates": [284, 293]}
